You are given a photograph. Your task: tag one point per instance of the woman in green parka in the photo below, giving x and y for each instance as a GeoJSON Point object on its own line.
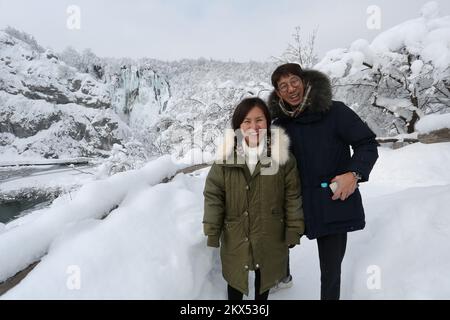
{"type": "Point", "coordinates": [253, 207]}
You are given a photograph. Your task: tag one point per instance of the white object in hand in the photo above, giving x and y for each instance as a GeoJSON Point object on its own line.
{"type": "Point", "coordinates": [333, 186]}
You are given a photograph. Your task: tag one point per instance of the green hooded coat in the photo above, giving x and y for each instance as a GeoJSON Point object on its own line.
{"type": "Point", "coordinates": [254, 217]}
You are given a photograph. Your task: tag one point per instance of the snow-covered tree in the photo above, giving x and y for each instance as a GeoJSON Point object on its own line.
{"type": "Point", "coordinates": [298, 51]}
{"type": "Point", "coordinates": [407, 88]}
{"type": "Point", "coordinates": [130, 156]}
{"type": "Point", "coordinates": [25, 37]}
{"type": "Point", "coordinates": [71, 57]}
{"type": "Point", "coordinates": [399, 77]}
{"type": "Point", "coordinates": [86, 62]}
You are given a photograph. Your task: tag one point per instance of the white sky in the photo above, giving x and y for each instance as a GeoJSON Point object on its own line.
{"type": "Point", "coordinates": [238, 30]}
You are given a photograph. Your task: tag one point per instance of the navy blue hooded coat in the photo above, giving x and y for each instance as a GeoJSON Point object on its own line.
{"type": "Point", "coordinates": [321, 137]}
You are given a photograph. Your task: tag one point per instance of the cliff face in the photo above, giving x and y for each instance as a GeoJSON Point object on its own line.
{"type": "Point", "coordinates": [52, 110]}
{"type": "Point", "coordinates": [77, 104]}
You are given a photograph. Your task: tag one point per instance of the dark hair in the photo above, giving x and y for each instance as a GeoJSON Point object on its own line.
{"type": "Point", "coordinates": [244, 107]}
{"type": "Point", "coordinates": [286, 70]}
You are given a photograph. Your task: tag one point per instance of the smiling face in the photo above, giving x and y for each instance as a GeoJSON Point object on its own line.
{"type": "Point", "coordinates": [254, 126]}
{"type": "Point", "coordinates": [291, 89]}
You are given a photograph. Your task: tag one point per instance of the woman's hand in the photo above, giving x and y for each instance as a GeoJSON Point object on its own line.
{"type": "Point", "coordinates": [347, 184]}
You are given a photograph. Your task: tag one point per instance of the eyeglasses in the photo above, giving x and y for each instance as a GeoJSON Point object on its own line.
{"type": "Point", "coordinates": [294, 82]}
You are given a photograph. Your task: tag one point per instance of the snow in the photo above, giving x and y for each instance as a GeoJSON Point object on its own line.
{"type": "Point", "coordinates": [363, 46]}
{"type": "Point", "coordinates": [194, 156]}
{"type": "Point", "coordinates": [92, 201]}
{"type": "Point", "coordinates": [122, 249]}
{"type": "Point", "coordinates": [398, 106]}
{"type": "Point", "coordinates": [81, 111]}
{"type": "Point", "coordinates": [409, 246]}
{"type": "Point", "coordinates": [427, 37]}
{"type": "Point", "coordinates": [54, 129]}
{"type": "Point", "coordinates": [46, 177]}
{"type": "Point", "coordinates": [414, 166]}
{"type": "Point", "coordinates": [43, 161]}
{"type": "Point", "coordinates": [430, 10]}
{"type": "Point", "coordinates": [437, 47]}
{"type": "Point", "coordinates": [413, 57]}
{"type": "Point", "coordinates": [416, 67]}
{"type": "Point", "coordinates": [433, 122]}
{"type": "Point", "coordinates": [409, 34]}
{"type": "Point", "coordinates": [335, 62]}
{"type": "Point", "coordinates": [152, 245]}
{"type": "Point", "coordinates": [77, 112]}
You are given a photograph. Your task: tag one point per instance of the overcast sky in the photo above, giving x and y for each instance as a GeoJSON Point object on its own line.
{"type": "Point", "coordinates": [238, 30]}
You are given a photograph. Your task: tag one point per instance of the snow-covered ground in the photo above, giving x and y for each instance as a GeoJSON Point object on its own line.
{"type": "Point", "coordinates": [433, 122]}
{"type": "Point", "coordinates": [152, 245]}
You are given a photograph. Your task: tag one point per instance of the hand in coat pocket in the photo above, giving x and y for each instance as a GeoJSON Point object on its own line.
{"type": "Point", "coordinates": [346, 185]}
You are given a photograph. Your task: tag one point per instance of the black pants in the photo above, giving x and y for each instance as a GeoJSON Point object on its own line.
{"type": "Point", "coordinates": [234, 294]}
{"type": "Point", "coordinates": [331, 254]}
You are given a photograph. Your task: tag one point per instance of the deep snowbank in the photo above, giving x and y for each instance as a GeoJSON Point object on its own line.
{"type": "Point", "coordinates": [152, 246]}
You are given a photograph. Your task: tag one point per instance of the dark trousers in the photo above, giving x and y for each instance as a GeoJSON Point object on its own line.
{"type": "Point", "coordinates": [234, 294]}
{"type": "Point", "coordinates": [288, 271]}
{"type": "Point", "coordinates": [331, 253]}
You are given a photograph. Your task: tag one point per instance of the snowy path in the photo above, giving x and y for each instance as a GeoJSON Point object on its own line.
{"type": "Point", "coordinates": [152, 246]}
{"type": "Point", "coordinates": [44, 177]}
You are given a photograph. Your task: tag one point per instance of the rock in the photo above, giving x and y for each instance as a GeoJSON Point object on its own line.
{"type": "Point", "coordinates": [53, 108]}
{"type": "Point", "coordinates": [75, 85]}
{"type": "Point", "coordinates": [441, 135]}
{"type": "Point", "coordinates": [25, 129]}
{"type": "Point", "coordinates": [48, 93]}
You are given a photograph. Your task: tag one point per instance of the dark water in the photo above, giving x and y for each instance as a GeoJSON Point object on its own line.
{"type": "Point", "coordinates": [10, 209]}
{"type": "Point", "coordinates": [13, 209]}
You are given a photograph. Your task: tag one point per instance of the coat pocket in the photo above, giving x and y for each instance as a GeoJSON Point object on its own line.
{"type": "Point", "coordinates": [230, 224]}
{"type": "Point", "coordinates": [275, 225]}
{"type": "Point", "coordinates": [338, 211]}
{"type": "Point", "coordinates": [233, 234]}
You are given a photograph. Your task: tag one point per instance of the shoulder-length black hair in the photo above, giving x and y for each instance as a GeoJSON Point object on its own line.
{"type": "Point", "coordinates": [244, 107]}
{"type": "Point", "coordinates": [241, 111]}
